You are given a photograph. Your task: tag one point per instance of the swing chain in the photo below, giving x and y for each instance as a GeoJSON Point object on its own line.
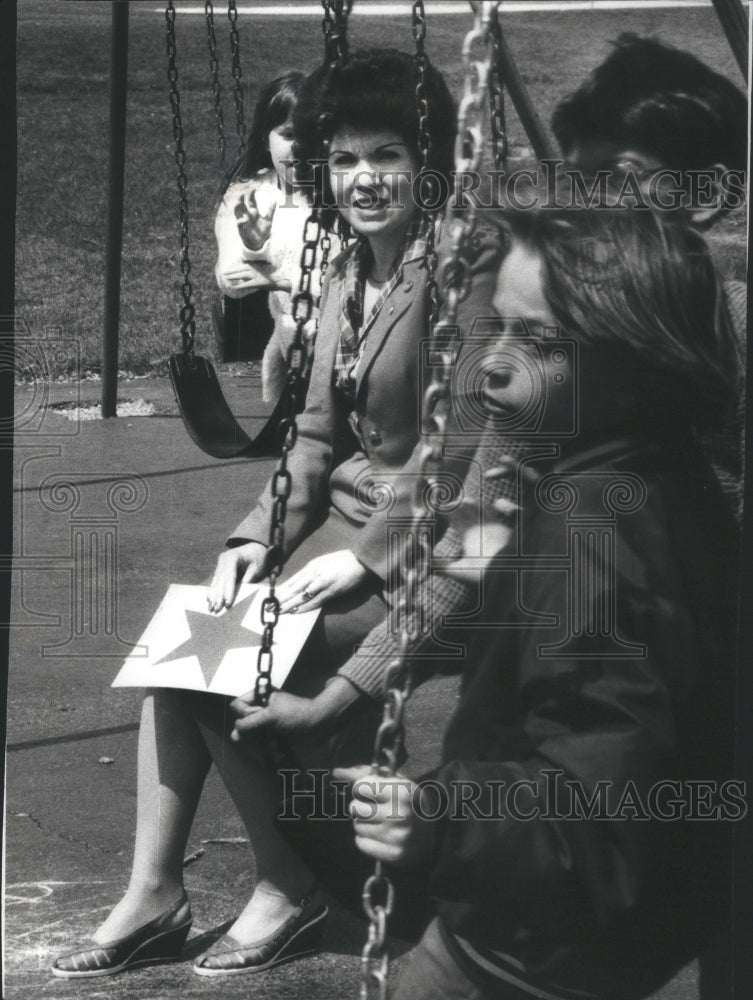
{"type": "Point", "coordinates": [378, 899]}
{"type": "Point", "coordinates": [455, 278]}
{"type": "Point", "coordinates": [424, 149]}
{"type": "Point", "coordinates": [419, 36]}
{"type": "Point", "coordinates": [188, 311]}
{"type": "Point", "coordinates": [235, 51]}
{"type": "Point", "coordinates": [430, 491]}
{"type": "Point", "coordinates": [477, 72]}
{"type": "Point", "coordinates": [214, 67]}
{"type": "Point", "coordinates": [379, 893]}
{"type": "Point", "coordinates": [325, 247]}
{"type": "Point", "coordinates": [500, 147]}
{"type": "Point", "coordinates": [470, 144]}
{"type": "Point", "coordinates": [299, 358]}
{"type": "Point", "coordinates": [335, 28]}
{"type": "Point", "coordinates": [299, 355]}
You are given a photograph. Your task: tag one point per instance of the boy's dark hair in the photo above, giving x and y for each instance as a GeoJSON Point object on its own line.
{"type": "Point", "coordinates": [375, 90]}
{"type": "Point", "coordinates": [645, 289]}
{"type": "Point", "coordinates": [659, 100]}
{"type": "Point", "coordinates": [274, 107]}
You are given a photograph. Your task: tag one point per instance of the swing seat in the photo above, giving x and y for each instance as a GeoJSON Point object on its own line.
{"type": "Point", "coordinates": [242, 327]}
{"type": "Point", "coordinates": [207, 416]}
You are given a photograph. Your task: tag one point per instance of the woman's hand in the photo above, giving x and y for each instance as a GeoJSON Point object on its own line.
{"type": "Point", "coordinates": [287, 713]}
{"type": "Point", "coordinates": [320, 580]}
{"type": "Point", "coordinates": [284, 713]}
{"type": "Point", "coordinates": [384, 820]}
{"type": "Point", "coordinates": [243, 564]}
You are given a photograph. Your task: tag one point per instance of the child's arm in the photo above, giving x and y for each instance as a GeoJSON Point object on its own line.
{"type": "Point", "coordinates": [451, 588]}
{"type": "Point", "coordinates": [254, 225]}
{"type": "Point", "coordinates": [242, 228]}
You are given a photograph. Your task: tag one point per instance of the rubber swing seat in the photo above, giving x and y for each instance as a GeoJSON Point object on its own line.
{"type": "Point", "coordinates": [208, 418]}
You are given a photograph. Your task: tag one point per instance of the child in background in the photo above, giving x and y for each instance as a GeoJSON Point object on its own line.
{"type": "Point", "coordinates": [651, 109]}
{"type": "Point", "coordinates": [259, 225]}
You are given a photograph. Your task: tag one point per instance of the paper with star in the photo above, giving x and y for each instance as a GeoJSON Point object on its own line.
{"type": "Point", "coordinates": [188, 647]}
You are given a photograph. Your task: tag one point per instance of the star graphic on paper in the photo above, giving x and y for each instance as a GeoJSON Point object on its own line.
{"type": "Point", "coordinates": [211, 637]}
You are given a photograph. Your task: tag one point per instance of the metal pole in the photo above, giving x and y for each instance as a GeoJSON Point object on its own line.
{"type": "Point", "coordinates": [734, 21]}
{"type": "Point", "coordinates": [115, 188]}
{"type": "Point", "coordinates": [510, 76]}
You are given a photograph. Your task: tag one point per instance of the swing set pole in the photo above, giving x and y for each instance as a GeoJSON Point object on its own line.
{"type": "Point", "coordinates": [115, 188]}
{"type": "Point", "coordinates": [511, 77]}
{"type": "Point", "coordinates": [734, 21]}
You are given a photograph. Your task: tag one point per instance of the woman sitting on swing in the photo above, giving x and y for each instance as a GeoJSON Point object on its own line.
{"type": "Point", "coordinates": [361, 419]}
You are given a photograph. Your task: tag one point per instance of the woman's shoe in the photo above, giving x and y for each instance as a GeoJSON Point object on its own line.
{"type": "Point", "coordinates": [298, 936]}
{"type": "Point", "coordinates": [156, 941]}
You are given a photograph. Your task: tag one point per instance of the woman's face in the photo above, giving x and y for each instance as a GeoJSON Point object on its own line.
{"type": "Point", "coordinates": [281, 152]}
{"type": "Point", "coordinates": [371, 174]}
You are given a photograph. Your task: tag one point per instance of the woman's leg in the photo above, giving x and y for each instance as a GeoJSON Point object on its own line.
{"type": "Point", "coordinates": [282, 878]}
{"type": "Point", "coordinates": [173, 762]}
{"type": "Point", "coordinates": [247, 771]}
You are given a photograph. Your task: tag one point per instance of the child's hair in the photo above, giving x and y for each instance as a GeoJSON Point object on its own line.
{"type": "Point", "coordinates": [645, 289]}
{"type": "Point", "coordinates": [375, 90]}
{"type": "Point", "coordinates": [277, 100]}
{"type": "Point", "coordinates": [660, 100]}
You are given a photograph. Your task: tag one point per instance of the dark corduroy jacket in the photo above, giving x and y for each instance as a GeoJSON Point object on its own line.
{"type": "Point", "coordinates": [608, 673]}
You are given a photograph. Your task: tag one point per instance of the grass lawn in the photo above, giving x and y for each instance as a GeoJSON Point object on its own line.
{"type": "Point", "coordinates": [63, 63]}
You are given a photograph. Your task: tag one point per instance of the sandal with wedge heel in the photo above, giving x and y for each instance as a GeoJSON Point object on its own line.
{"type": "Point", "coordinates": [299, 935]}
{"type": "Point", "coordinates": [156, 941]}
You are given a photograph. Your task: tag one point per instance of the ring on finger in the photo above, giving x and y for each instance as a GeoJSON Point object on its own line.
{"type": "Point", "coordinates": [306, 596]}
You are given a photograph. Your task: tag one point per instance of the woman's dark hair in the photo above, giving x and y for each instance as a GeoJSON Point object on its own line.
{"type": "Point", "coordinates": [660, 100]}
{"type": "Point", "coordinates": [375, 90]}
{"type": "Point", "coordinates": [645, 289]}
